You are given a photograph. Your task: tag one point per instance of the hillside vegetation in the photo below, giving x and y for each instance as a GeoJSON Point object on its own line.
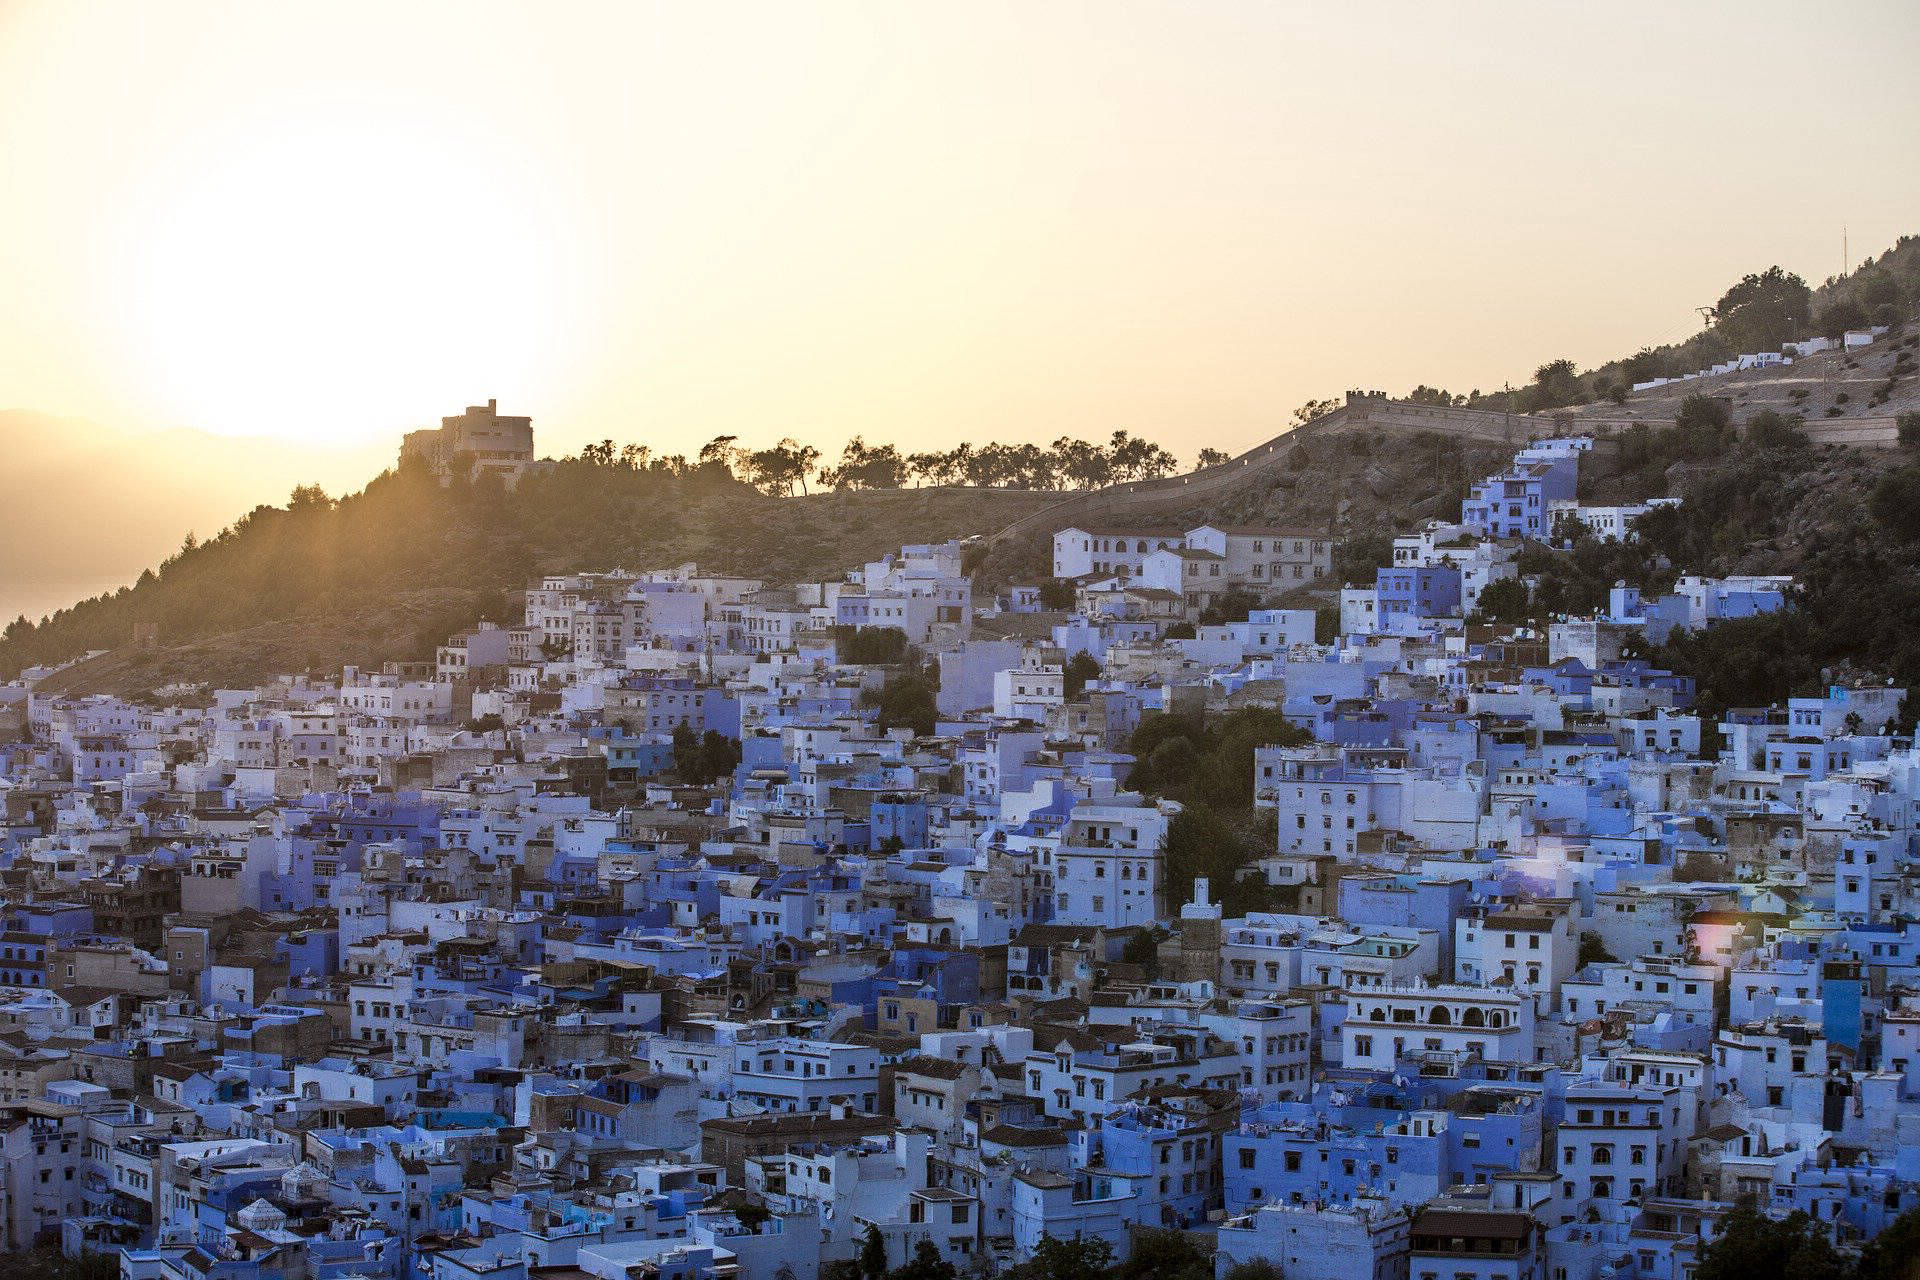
{"type": "Point", "coordinates": [1758, 312]}
{"type": "Point", "coordinates": [388, 572]}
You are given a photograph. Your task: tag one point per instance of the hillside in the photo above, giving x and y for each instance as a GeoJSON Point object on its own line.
{"type": "Point", "coordinates": [1877, 380]}
{"type": "Point", "coordinates": [1757, 313]}
{"type": "Point", "coordinates": [387, 572]}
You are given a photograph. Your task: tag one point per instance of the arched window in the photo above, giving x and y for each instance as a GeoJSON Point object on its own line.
{"type": "Point", "coordinates": [1440, 1016]}
{"type": "Point", "coordinates": [1473, 1018]}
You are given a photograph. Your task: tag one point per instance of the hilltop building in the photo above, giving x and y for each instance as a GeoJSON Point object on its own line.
{"type": "Point", "coordinates": [479, 442]}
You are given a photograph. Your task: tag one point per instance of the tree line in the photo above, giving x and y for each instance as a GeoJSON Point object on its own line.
{"type": "Point", "coordinates": [790, 466]}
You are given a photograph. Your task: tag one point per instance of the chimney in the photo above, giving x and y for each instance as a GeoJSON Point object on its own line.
{"type": "Point", "coordinates": [492, 405]}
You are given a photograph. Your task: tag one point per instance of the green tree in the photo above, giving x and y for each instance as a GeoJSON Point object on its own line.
{"type": "Point", "coordinates": [49, 1264]}
{"type": "Point", "coordinates": [865, 466]}
{"type": "Point", "coordinates": [1895, 502]}
{"type": "Point", "coordinates": [1753, 1246]}
{"type": "Point", "coordinates": [1081, 1258]}
{"type": "Point", "coordinates": [1311, 410]}
{"type": "Point", "coordinates": [1081, 463]}
{"type": "Point", "coordinates": [1205, 843]}
{"type": "Point", "coordinates": [1891, 1254]}
{"type": "Point", "coordinates": [1143, 949]}
{"type": "Point", "coordinates": [1232, 605]}
{"type": "Point", "coordinates": [1159, 1254]}
{"type": "Point", "coordinates": [1356, 558]}
{"type": "Point", "coordinates": [1764, 310]}
{"type": "Point", "coordinates": [1769, 429]}
{"type": "Point", "coordinates": [1253, 1269]}
{"type": "Point", "coordinates": [1056, 593]}
{"type": "Point", "coordinates": [719, 456]}
{"type": "Point", "coordinates": [1080, 668]}
{"type": "Point", "coordinates": [873, 1255]}
{"type": "Point", "coordinates": [1194, 759]}
{"type": "Point", "coordinates": [1746, 662]}
{"type": "Point", "coordinates": [906, 701]}
{"type": "Point", "coordinates": [1834, 320]}
{"type": "Point", "coordinates": [701, 758]}
{"type": "Point", "coordinates": [1505, 601]}
{"type": "Point", "coordinates": [720, 754]}
{"type": "Point", "coordinates": [926, 1264]}
{"type": "Point", "coordinates": [870, 646]}
{"type": "Point", "coordinates": [1703, 412]}
{"type": "Point", "coordinates": [1702, 427]}
{"type": "Point", "coordinates": [777, 468]}
{"type": "Point", "coordinates": [1555, 385]}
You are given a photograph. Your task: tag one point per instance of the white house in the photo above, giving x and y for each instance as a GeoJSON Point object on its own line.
{"type": "Point", "coordinates": [1384, 1026]}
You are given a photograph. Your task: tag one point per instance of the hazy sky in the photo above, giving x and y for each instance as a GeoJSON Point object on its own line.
{"type": "Point", "coordinates": [927, 222]}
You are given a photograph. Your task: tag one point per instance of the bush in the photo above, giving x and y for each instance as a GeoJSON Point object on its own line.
{"type": "Point", "coordinates": [870, 646]}
{"type": "Point", "coordinates": [906, 701]}
{"type": "Point", "coordinates": [1840, 317]}
{"type": "Point", "coordinates": [1080, 668]}
{"type": "Point", "coordinates": [1701, 412]}
{"type": "Point", "coordinates": [1504, 601]}
{"type": "Point", "coordinates": [1909, 427]}
{"type": "Point", "coordinates": [1233, 605]}
{"type": "Point", "coordinates": [1356, 558]}
{"type": "Point", "coordinates": [1753, 1246]}
{"type": "Point", "coordinates": [1770, 430]}
{"type": "Point", "coordinates": [1594, 951]}
{"type": "Point", "coordinates": [1895, 502]}
{"type": "Point", "coordinates": [1056, 593]}
{"type": "Point", "coordinates": [1703, 427]}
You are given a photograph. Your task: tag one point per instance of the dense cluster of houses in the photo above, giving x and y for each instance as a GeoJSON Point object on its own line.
{"type": "Point", "coordinates": [469, 970]}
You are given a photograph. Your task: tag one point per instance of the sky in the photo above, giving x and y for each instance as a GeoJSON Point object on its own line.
{"type": "Point", "coordinates": [325, 224]}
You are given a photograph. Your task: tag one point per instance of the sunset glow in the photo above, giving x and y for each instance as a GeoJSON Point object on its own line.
{"type": "Point", "coordinates": [292, 272]}
{"type": "Point", "coordinates": [331, 222]}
